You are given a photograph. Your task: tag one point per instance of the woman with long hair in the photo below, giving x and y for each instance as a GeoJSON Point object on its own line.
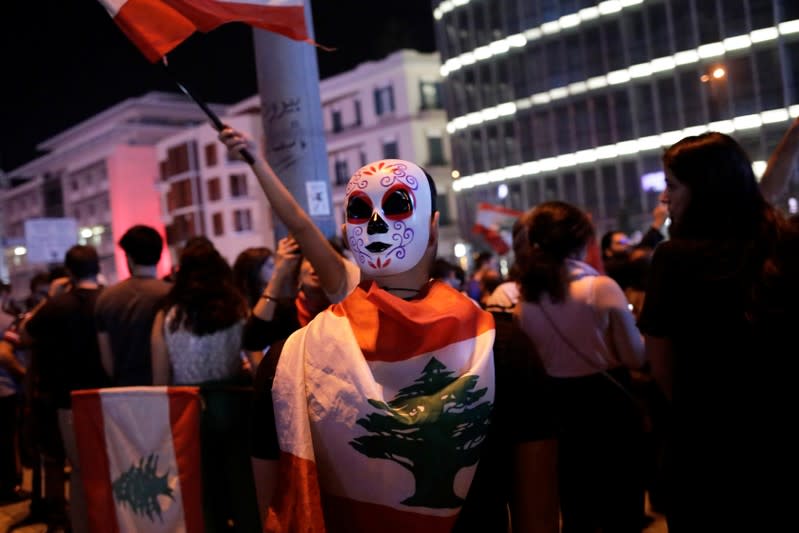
{"type": "Point", "coordinates": [587, 340]}
{"type": "Point", "coordinates": [719, 314]}
{"type": "Point", "coordinates": [197, 336]}
{"type": "Point", "coordinates": [196, 340]}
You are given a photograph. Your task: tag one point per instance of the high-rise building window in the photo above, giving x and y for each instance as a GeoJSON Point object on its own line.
{"type": "Point", "coordinates": [632, 187]}
{"type": "Point", "coordinates": [708, 21]}
{"type": "Point", "coordinates": [610, 190]}
{"type": "Point", "coordinates": [356, 109]}
{"type": "Point", "coordinates": [594, 60]}
{"type": "Point", "coordinates": [177, 161]}
{"type": "Point", "coordinates": [435, 150]}
{"type": "Point", "coordinates": [210, 155]}
{"type": "Point", "coordinates": [682, 17]}
{"type": "Point", "coordinates": [742, 84]}
{"type": "Point", "coordinates": [658, 30]}
{"type": "Point", "coordinates": [179, 195]}
{"type": "Point", "coordinates": [644, 109]}
{"type": "Point", "coordinates": [604, 135]}
{"type": "Point", "coordinates": [218, 222]}
{"type": "Point", "coordinates": [242, 220]}
{"type": "Point", "coordinates": [761, 12]}
{"type": "Point", "coordinates": [735, 18]}
{"type": "Point", "coordinates": [238, 185]}
{"type": "Point", "coordinates": [669, 105]}
{"type": "Point", "coordinates": [636, 37]}
{"type": "Point", "coordinates": [390, 149]}
{"type": "Point", "coordinates": [768, 74]}
{"type": "Point", "coordinates": [590, 195]}
{"type": "Point", "coordinates": [691, 90]}
{"type": "Point", "coordinates": [214, 189]}
{"type": "Point", "coordinates": [582, 124]}
{"type": "Point", "coordinates": [384, 100]}
{"type": "Point", "coordinates": [623, 114]}
{"type": "Point", "coordinates": [570, 191]}
{"type": "Point", "coordinates": [563, 130]}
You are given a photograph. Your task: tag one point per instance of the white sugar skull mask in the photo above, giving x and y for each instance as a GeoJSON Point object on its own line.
{"type": "Point", "coordinates": [387, 217]}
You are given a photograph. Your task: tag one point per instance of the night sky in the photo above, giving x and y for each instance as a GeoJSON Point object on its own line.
{"type": "Point", "coordinates": [63, 61]}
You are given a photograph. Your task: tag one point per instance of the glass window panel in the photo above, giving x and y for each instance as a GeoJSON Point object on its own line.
{"type": "Point", "coordinates": [594, 59]}
{"type": "Point", "coordinates": [582, 125]}
{"type": "Point", "coordinates": [667, 98]}
{"type": "Point", "coordinates": [684, 36]}
{"type": "Point", "coordinates": [602, 120]}
{"type": "Point", "coordinates": [708, 21]}
{"type": "Point", "coordinates": [632, 187]}
{"type": "Point", "coordinates": [636, 37]}
{"type": "Point", "coordinates": [658, 30]}
{"type": "Point", "coordinates": [570, 192]}
{"type": "Point", "coordinates": [770, 78]}
{"type": "Point", "coordinates": [575, 58]}
{"type": "Point", "coordinates": [644, 109]}
{"type": "Point", "coordinates": [761, 13]}
{"type": "Point", "coordinates": [690, 87]}
{"type": "Point", "coordinates": [542, 134]}
{"type": "Point", "coordinates": [614, 46]}
{"type": "Point", "coordinates": [734, 18]}
{"type": "Point", "coordinates": [563, 134]}
{"type": "Point", "coordinates": [623, 114]}
{"type": "Point", "coordinates": [590, 195]}
{"type": "Point", "coordinates": [742, 85]}
{"type": "Point", "coordinates": [610, 190]}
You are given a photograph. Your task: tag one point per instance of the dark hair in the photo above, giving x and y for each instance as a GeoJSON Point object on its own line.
{"type": "Point", "coordinates": [482, 259]}
{"type": "Point", "coordinates": [433, 192]}
{"type": "Point", "coordinates": [142, 244]}
{"type": "Point", "coordinates": [38, 279]}
{"type": "Point", "coordinates": [607, 240]}
{"type": "Point", "coordinates": [82, 261]}
{"type": "Point", "coordinates": [247, 273]}
{"type": "Point", "coordinates": [556, 231]}
{"type": "Point", "coordinates": [726, 205]}
{"type": "Point", "coordinates": [724, 195]}
{"type": "Point", "coordinates": [204, 297]}
{"type": "Point", "coordinates": [441, 269]}
{"type": "Point", "coordinates": [56, 272]}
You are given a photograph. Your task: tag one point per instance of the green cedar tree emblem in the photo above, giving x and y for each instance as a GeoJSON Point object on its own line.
{"type": "Point", "coordinates": [430, 430]}
{"type": "Point", "coordinates": [140, 486]}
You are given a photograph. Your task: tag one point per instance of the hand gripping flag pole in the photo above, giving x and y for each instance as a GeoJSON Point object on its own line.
{"type": "Point", "coordinates": [158, 26]}
{"type": "Point", "coordinates": [215, 120]}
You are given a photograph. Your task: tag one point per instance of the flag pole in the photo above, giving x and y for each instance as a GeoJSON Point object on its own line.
{"type": "Point", "coordinates": [215, 121]}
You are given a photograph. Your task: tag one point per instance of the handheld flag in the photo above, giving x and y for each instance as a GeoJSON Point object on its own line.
{"type": "Point", "coordinates": [139, 450]}
{"type": "Point", "coordinates": [491, 220]}
{"type": "Point", "coordinates": [158, 26]}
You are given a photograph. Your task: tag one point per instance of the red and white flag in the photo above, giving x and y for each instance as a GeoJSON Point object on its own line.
{"type": "Point", "coordinates": [381, 408]}
{"type": "Point", "coordinates": [158, 26]}
{"type": "Point", "coordinates": [491, 220]}
{"type": "Point", "coordinates": [139, 450]}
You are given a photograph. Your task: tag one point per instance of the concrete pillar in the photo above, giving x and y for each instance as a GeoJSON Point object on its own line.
{"type": "Point", "coordinates": [288, 82]}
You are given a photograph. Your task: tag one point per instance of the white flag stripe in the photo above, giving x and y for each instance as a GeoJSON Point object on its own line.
{"type": "Point", "coordinates": [113, 6]}
{"type": "Point", "coordinates": [339, 381]}
{"type": "Point", "coordinates": [134, 429]}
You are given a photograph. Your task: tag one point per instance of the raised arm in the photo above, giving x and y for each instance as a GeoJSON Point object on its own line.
{"type": "Point", "coordinates": [781, 164]}
{"type": "Point", "coordinates": [329, 265]}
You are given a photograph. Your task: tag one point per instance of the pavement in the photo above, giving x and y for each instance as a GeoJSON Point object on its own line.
{"type": "Point", "coordinates": [13, 513]}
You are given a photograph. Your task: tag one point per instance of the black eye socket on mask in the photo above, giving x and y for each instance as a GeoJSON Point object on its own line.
{"type": "Point", "coordinates": [398, 204]}
{"type": "Point", "coordinates": [358, 210]}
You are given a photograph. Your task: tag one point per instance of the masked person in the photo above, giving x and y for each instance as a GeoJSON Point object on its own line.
{"type": "Point", "coordinates": [389, 410]}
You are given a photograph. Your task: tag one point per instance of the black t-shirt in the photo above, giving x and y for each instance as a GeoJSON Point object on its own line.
{"type": "Point", "coordinates": [66, 350]}
{"type": "Point", "coordinates": [733, 379]}
{"type": "Point", "coordinates": [126, 312]}
{"type": "Point", "coordinates": [521, 413]}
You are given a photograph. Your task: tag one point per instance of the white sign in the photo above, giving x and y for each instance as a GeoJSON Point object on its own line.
{"type": "Point", "coordinates": [48, 239]}
{"type": "Point", "coordinates": [318, 203]}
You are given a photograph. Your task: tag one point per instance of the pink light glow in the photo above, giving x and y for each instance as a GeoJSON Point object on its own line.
{"type": "Point", "coordinates": [134, 199]}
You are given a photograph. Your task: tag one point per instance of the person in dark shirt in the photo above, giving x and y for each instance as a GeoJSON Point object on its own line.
{"type": "Point", "coordinates": [65, 339]}
{"type": "Point", "coordinates": [719, 318]}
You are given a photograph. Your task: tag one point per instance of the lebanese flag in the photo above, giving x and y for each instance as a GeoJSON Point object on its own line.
{"type": "Point", "coordinates": [490, 220]}
{"type": "Point", "coordinates": [139, 450]}
{"type": "Point", "coordinates": [381, 408]}
{"type": "Point", "coordinates": [158, 26]}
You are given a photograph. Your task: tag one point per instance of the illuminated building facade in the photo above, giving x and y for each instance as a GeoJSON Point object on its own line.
{"type": "Point", "coordinates": [576, 100]}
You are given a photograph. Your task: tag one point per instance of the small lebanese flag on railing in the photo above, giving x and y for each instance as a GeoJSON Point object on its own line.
{"type": "Point", "coordinates": [139, 450]}
{"type": "Point", "coordinates": [158, 26]}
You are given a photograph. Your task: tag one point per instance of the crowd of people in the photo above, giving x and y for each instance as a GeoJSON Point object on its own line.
{"type": "Point", "coordinates": [371, 386]}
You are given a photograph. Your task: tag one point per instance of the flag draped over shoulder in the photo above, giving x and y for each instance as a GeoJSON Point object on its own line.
{"type": "Point", "coordinates": [139, 450]}
{"type": "Point", "coordinates": [382, 406]}
{"type": "Point", "coordinates": [158, 26]}
{"type": "Point", "coordinates": [491, 220]}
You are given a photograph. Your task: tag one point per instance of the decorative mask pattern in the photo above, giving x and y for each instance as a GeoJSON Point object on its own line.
{"type": "Point", "coordinates": [387, 216]}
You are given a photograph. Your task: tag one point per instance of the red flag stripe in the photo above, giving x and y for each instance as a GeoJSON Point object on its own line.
{"type": "Point", "coordinates": [344, 514]}
{"type": "Point", "coordinates": [297, 505]}
{"type": "Point", "coordinates": [154, 27]}
{"type": "Point", "coordinates": [287, 20]}
{"type": "Point", "coordinates": [184, 419]}
{"type": "Point", "coordinates": [87, 411]}
{"type": "Point", "coordinates": [398, 329]}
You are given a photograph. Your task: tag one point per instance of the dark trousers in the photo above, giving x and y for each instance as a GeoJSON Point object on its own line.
{"type": "Point", "coordinates": [9, 474]}
{"type": "Point", "coordinates": [600, 444]}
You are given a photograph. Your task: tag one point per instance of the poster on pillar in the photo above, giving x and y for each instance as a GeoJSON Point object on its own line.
{"type": "Point", "coordinates": [318, 204]}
